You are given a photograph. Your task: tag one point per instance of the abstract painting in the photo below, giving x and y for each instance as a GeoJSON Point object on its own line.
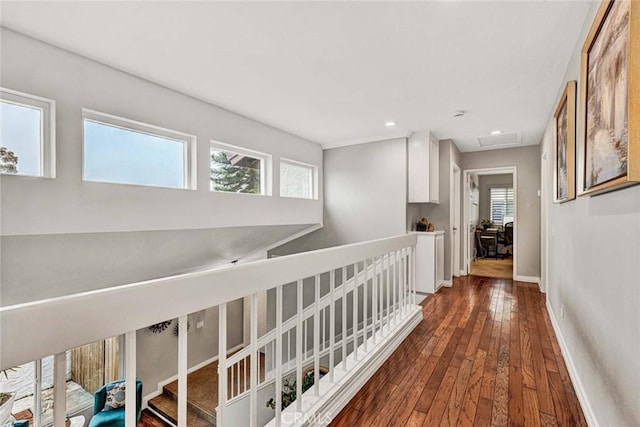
{"type": "Point", "coordinates": [605, 98]}
{"type": "Point", "coordinates": [565, 145]}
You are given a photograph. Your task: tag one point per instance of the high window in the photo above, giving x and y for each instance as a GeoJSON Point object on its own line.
{"type": "Point", "coordinates": [501, 205]}
{"type": "Point", "coordinates": [238, 170]}
{"type": "Point", "coordinates": [297, 179]}
{"type": "Point", "coordinates": [123, 151]}
{"type": "Point", "coordinates": [27, 134]}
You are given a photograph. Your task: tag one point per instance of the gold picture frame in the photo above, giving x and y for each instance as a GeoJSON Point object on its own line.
{"type": "Point", "coordinates": [564, 118]}
{"type": "Point", "coordinates": [610, 100]}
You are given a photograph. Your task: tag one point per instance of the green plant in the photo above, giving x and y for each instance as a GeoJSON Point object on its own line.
{"type": "Point", "coordinates": [289, 389]}
{"type": "Point", "coordinates": [4, 397]}
{"type": "Point", "coordinates": [485, 222]}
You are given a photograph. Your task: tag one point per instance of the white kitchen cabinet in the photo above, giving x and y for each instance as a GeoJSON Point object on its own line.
{"type": "Point", "coordinates": [429, 261]}
{"type": "Point", "coordinates": [423, 168]}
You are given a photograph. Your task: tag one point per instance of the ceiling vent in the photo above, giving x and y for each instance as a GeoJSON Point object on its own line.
{"type": "Point", "coordinates": [511, 138]}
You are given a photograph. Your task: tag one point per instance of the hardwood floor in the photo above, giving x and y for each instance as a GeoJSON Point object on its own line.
{"type": "Point", "coordinates": [485, 354]}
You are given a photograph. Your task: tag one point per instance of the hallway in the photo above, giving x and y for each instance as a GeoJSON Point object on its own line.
{"type": "Point", "coordinates": [485, 354]}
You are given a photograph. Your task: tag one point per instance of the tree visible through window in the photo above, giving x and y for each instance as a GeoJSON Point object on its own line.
{"type": "Point", "coordinates": [501, 205]}
{"type": "Point", "coordinates": [235, 173]}
{"type": "Point", "coordinates": [20, 139]}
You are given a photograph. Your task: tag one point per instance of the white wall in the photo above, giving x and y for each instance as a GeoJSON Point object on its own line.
{"type": "Point", "coordinates": [69, 205]}
{"type": "Point", "coordinates": [61, 236]}
{"type": "Point", "coordinates": [365, 196]}
{"type": "Point", "coordinates": [594, 271]}
{"type": "Point", "coordinates": [527, 161]}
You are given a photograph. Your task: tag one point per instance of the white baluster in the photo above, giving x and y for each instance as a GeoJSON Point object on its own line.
{"type": "Point", "coordinates": [244, 374]}
{"type": "Point", "coordinates": [403, 282]}
{"type": "Point", "coordinates": [388, 292]}
{"type": "Point", "coordinates": [278, 360]}
{"type": "Point", "coordinates": [222, 364]}
{"type": "Point", "coordinates": [60, 390]}
{"type": "Point", "coordinates": [130, 379]}
{"type": "Point", "coordinates": [374, 299]}
{"type": "Point", "coordinates": [344, 317]}
{"type": "Point", "coordinates": [253, 377]}
{"type": "Point", "coordinates": [354, 329]}
{"type": "Point", "coordinates": [332, 322]}
{"type": "Point", "coordinates": [316, 338]}
{"type": "Point", "coordinates": [299, 355]}
{"type": "Point", "coordinates": [365, 302]}
{"type": "Point", "coordinates": [394, 284]}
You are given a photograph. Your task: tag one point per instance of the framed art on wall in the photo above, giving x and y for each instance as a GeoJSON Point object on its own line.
{"type": "Point", "coordinates": [565, 145]}
{"type": "Point", "coordinates": [610, 98]}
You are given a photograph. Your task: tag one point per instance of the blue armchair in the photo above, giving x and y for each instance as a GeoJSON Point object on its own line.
{"type": "Point", "coordinates": [114, 417]}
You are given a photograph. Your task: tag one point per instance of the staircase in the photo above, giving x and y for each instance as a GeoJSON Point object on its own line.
{"type": "Point", "coordinates": [202, 398]}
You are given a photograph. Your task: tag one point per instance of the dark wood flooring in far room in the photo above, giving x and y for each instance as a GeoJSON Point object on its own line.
{"type": "Point", "coordinates": [485, 354]}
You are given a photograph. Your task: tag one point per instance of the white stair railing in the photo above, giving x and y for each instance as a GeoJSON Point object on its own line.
{"type": "Point", "coordinates": [351, 303]}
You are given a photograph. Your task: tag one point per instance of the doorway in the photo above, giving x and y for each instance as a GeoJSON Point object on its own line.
{"type": "Point", "coordinates": [490, 222]}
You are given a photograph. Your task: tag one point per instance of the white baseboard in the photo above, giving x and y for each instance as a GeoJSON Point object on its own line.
{"type": "Point", "coordinates": [587, 409]}
{"type": "Point", "coordinates": [161, 384]}
{"type": "Point", "coordinates": [528, 279]}
{"type": "Point", "coordinates": [447, 283]}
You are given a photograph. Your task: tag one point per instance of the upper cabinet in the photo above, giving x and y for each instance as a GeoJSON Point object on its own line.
{"type": "Point", "coordinates": [423, 152]}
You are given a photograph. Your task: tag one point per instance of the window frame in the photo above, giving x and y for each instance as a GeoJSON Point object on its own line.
{"type": "Point", "coordinates": [313, 183]}
{"type": "Point", "coordinates": [265, 166]}
{"type": "Point", "coordinates": [47, 108]}
{"type": "Point", "coordinates": [188, 145]}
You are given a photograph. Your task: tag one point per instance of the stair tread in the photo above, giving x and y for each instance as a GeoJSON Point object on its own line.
{"type": "Point", "coordinates": [168, 408]}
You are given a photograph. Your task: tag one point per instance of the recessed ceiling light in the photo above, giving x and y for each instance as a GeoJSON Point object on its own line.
{"type": "Point", "coordinates": [496, 132]}
{"type": "Point", "coordinates": [389, 124]}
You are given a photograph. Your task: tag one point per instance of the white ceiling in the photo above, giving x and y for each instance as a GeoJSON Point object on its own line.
{"type": "Point", "coordinates": [335, 72]}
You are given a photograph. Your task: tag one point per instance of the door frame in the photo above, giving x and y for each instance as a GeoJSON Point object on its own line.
{"type": "Point", "coordinates": [455, 194]}
{"type": "Point", "coordinates": [490, 171]}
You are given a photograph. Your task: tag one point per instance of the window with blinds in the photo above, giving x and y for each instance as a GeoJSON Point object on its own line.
{"type": "Point", "coordinates": [501, 205]}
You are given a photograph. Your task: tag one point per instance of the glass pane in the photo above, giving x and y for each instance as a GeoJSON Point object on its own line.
{"type": "Point", "coordinates": [113, 154]}
{"type": "Point", "coordinates": [296, 181]}
{"type": "Point", "coordinates": [235, 173]}
{"type": "Point", "coordinates": [20, 139]}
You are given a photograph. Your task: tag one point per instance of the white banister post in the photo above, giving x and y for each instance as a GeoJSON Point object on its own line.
{"type": "Point", "coordinates": [316, 337]}
{"type": "Point", "coordinates": [60, 389]}
{"type": "Point", "coordinates": [413, 275]}
{"type": "Point", "coordinates": [222, 363]}
{"type": "Point", "coordinates": [332, 323]}
{"type": "Point", "coordinates": [253, 377]}
{"type": "Point", "coordinates": [37, 393]}
{"type": "Point", "coordinates": [130, 368]}
{"type": "Point", "coordinates": [299, 355]}
{"type": "Point", "coordinates": [182, 369]}
{"type": "Point", "coordinates": [374, 299]}
{"type": "Point", "coordinates": [354, 328]}
{"type": "Point", "coordinates": [365, 302]}
{"type": "Point", "coordinates": [344, 317]}
{"type": "Point", "coordinates": [278, 359]}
